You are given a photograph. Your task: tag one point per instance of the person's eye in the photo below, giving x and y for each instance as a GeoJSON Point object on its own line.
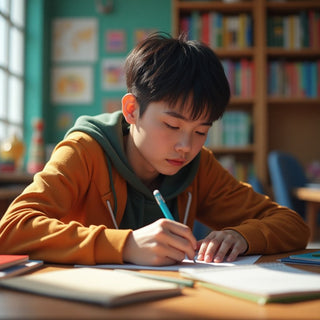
{"type": "Point", "coordinates": [171, 127]}
{"type": "Point", "coordinates": [201, 133]}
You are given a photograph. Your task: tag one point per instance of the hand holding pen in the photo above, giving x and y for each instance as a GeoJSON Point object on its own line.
{"type": "Point", "coordinates": [164, 208]}
{"type": "Point", "coordinates": [163, 242]}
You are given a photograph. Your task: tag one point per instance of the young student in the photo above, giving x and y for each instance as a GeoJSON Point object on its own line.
{"type": "Point", "coordinates": [93, 202]}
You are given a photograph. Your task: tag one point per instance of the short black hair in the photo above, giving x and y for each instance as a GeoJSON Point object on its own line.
{"type": "Point", "coordinates": [162, 68]}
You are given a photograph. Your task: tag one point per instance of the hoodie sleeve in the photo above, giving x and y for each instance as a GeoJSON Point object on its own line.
{"type": "Point", "coordinates": [225, 203]}
{"type": "Point", "coordinates": [61, 216]}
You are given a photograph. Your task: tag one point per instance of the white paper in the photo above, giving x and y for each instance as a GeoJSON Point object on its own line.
{"type": "Point", "coordinates": [186, 263]}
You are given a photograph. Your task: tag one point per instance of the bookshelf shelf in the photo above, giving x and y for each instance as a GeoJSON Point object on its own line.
{"type": "Point", "coordinates": [294, 53]}
{"type": "Point", "coordinates": [234, 52]}
{"type": "Point", "coordinates": [215, 5]}
{"type": "Point", "coordinates": [289, 122]}
{"type": "Point", "coordinates": [293, 101]}
{"type": "Point", "coordinates": [291, 6]}
{"type": "Point", "coordinates": [238, 150]}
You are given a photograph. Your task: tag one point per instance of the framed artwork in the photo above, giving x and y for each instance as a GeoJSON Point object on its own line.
{"type": "Point", "coordinates": [64, 120]}
{"type": "Point", "coordinates": [72, 85]}
{"type": "Point", "coordinates": [74, 39]}
{"type": "Point", "coordinates": [113, 76]}
{"type": "Point", "coordinates": [142, 34]}
{"type": "Point", "coordinates": [115, 41]}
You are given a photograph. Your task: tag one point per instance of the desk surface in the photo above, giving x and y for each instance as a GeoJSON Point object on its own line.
{"type": "Point", "coordinates": [308, 194]}
{"type": "Point", "coordinates": [195, 303]}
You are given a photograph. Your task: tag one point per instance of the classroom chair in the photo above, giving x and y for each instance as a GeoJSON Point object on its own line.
{"type": "Point", "coordinates": [286, 173]}
{"type": "Point", "coordinates": [256, 184]}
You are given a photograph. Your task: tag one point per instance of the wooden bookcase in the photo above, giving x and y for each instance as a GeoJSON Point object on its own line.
{"type": "Point", "coordinates": [289, 123]}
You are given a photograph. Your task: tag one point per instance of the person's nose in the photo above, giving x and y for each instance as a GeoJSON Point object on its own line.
{"type": "Point", "coordinates": [185, 143]}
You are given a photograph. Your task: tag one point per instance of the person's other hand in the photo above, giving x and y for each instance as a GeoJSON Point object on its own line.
{"type": "Point", "coordinates": [220, 244]}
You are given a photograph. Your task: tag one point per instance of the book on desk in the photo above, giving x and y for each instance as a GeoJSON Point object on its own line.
{"type": "Point", "coordinates": [310, 258]}
{"type": "Point", "coordinates": [14, 265]}
{"type": "Point", "coordinates": [261, 283]}
{"type": "Point", "coordinates": [110, 288]}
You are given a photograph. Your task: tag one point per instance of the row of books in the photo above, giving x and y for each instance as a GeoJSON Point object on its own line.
{"type": "Point", "coordinates": [233, 130]}
{"type": "Point", "coordinates": [241, 170]}
{"type": "Point", "coordinates": [219, 30]}
{"type": "Point", "coordinates": [294, 79]}
{"type": "Point", "coordinates": [294, 31]}
{"type": "Point", "coordinates": [240, 75]}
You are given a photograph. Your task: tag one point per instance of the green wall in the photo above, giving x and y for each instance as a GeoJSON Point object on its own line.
{"type": "Point", "coordinates": [127, 15]}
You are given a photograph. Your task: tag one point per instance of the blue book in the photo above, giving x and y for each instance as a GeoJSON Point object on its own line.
{"type": "Point", "coordinates": [312, 258]}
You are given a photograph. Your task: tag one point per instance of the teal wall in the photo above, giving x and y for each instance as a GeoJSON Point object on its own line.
{"type": "Point", "coordinates": [127, 15]}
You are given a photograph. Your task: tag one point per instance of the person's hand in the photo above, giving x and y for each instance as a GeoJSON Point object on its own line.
{"type": "Point", "coordinates": [220, 244]}
{"type": "Point", "coordinates": [163, 242]}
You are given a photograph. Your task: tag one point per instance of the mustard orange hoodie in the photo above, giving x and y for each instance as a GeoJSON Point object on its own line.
{"type": "Point", "coordinates": [80, 207]}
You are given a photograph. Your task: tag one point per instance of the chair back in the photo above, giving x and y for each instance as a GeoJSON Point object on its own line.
{"type": "Point", "coordinates": [256, 184]}
{"type": "Point", "coordinates": [286, 173]}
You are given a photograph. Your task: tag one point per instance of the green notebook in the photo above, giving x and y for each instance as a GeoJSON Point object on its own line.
{"type": "Point", "coordinates": [261, 283]}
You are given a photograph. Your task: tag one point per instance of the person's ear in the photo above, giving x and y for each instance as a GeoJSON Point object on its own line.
{"type": "Point", "coordinates": [130, 107]}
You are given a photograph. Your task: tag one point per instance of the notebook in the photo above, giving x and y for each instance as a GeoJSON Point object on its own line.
{"type": "Point", "coordinates": [261, 283]}
{"type": "Point", "coordinates": [7, 261]}
{"type": "Point", "coordinates": [186, 263]}
{"type": "Point", "coordinates": [18, 269]}
{"type": "Point", "coordinates": [109, 288]}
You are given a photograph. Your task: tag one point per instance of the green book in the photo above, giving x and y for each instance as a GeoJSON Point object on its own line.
{"type": "Point", "coordinates": [260, 283]}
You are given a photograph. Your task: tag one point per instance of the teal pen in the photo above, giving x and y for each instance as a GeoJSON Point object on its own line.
{"type": "Point", "coordinates": [164, 208]}
{"type": "Point", "coordinates": [162, 204]}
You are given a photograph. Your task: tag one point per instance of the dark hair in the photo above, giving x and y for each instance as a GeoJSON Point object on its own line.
{"type": "Point", "coordinates": [162, 68]}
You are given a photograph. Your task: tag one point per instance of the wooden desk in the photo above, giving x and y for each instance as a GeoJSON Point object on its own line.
{"type": "Point", "coordinates": [312, 198]}
{"type": "Point", "coordinates": [195, 303]}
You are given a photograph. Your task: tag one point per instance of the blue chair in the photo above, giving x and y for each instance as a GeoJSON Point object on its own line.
{"type": "Point", "coordinates": [256, 184]}
{"type": "Point", "coordinates": [286, 173]}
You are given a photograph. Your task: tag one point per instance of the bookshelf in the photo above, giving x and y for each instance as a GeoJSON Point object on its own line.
{"type": "Point", "coordinates": [289, 119]}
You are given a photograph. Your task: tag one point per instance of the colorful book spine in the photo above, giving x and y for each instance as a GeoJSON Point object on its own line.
{"type": "Point", "coordinates": [233, 130]}
{"type": "Point", "coordinates": [218, 30]}
{"type": "Point", "coordinates": [240, 74]}
{"type": "Point", "coordinates": [294, 31]}
{"type": "Point", "coordinates": [294, 78]}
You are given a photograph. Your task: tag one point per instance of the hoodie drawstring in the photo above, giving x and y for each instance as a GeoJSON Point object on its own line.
{"type": "Point", "coordinates": [186, 213]}
{"type": "Point", "coordinates": [112, 215]}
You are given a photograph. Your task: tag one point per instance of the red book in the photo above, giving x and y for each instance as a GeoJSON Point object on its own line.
{"type": "Point", "coordinates": [7, 261]}
{"type": "Point", "coordinates": [205, 32]}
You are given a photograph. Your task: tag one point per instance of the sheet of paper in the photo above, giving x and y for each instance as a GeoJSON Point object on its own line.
{"type": "Point", "coordinates": [186, 263]}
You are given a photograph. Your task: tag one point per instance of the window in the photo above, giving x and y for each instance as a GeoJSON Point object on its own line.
{"type": "Point", "coordinates": [12, 35]}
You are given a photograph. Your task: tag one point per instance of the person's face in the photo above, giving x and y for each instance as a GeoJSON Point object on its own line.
{"type": "Point", "coordinates": [165, 140]}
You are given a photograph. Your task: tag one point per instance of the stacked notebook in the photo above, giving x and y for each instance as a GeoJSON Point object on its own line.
{"type": "Point", "coordinates": [13, 265]}
{"type": "Point", "coordinates": [261, 283]}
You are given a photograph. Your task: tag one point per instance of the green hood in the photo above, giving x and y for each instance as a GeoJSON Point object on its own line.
{"type": "Point", "coordinates": [108, 130]}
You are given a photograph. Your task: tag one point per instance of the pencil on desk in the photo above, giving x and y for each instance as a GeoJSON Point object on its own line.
{"type": "Point", "coordinates": [182, 282]}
